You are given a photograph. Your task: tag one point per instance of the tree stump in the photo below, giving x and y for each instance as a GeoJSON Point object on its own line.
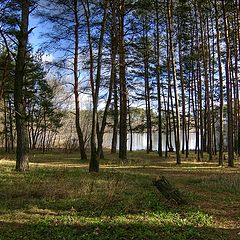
{"type": "Point", "coordinates": [168, 191]}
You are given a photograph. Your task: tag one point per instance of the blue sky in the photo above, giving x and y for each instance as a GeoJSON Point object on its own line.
{"type": "Point", "coordinates": [36, 38]}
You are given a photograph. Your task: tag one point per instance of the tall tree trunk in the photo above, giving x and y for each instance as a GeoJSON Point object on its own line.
{"type": "Point", "coordinates": [212, 84]}
{"type": "Point", "coordinates": [94, 163]}
{"type": "Point", "coordinates": [44, 131]}
{"type": "Point", "coordinates": [188, 121]}
{"type": "Point", "coordinates": [229, 90]}
{"type": "Point", "coordinates": [147, 88]}
{"type": "Point", "coordinates": [171, 49]}
{"type": "Point", "coordinates": [22, 161]}
{"type": "Point", "coordinates": [238, 38]}
{"type": "Point", "coordinates": [235, 85]}
{"type": "Point", "coordinates": [76, 84]}
{"type": "Point", "coordinates": [95, 83]}
{"type": "Point", "coordinates": [115, 116]}
{"type": "Point", "coordinates": [5, 126]}
{"type": "Point", "coordinates": [220, 159]}
{"type": "Point", "coordinates": [123, 85]}
{"type": "Point", "coordinates": [11, 124]}
{"type": "Point", "coordinates": [183, 94]}
{"type": "Point", "coordinates": [199, 91]}
{"type": "Point", "coordinates": [208, 127]}
{"type": "Point", "coordinates": [171, 115]}
{"type": "Point", "coordinates": [112, 79]}
{"type": "Point", "coordinates": [158, 80]}
{"type": "Point", "coordinates": [130, 127]}
{"type": "Point", "coordinates": [166, 108]}
{"type": "Point", "coordinates": [193, 93]}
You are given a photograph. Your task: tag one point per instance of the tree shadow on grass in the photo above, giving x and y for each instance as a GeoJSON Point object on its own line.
{"type": "Point", "coordinates": [48, 189]}
{"type": "Point", "coordinates": [110, 230]}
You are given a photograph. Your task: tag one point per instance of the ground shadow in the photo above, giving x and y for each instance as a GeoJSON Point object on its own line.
{"type": "Point", "coordinates": [111, 231]}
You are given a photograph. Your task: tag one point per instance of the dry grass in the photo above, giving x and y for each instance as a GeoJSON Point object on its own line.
{"type": "Point", "coordinates": [120, 202]}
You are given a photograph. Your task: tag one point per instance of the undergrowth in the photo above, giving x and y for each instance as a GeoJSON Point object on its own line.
{"type": "Point", "coordinates": [60, 202]}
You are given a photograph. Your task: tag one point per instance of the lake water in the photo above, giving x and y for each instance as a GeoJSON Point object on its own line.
{"type": "Point", "coordinates": [140, 141]}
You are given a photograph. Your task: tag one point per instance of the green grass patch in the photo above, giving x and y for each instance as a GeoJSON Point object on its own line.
{"type": "Point", "coordinates": [59, 199]}
{"type": "Point", "coordinates": [219, 183]}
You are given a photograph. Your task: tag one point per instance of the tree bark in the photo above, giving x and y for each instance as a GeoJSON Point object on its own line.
{"type": "Point", "coordinates": [76, 84]}
{"type": "Point", "coordinates": [115, 116]}
{"type": "Point", "coordinates": [208, 127]}
{"type": "Point", "coordinates": [229, 90]}
{"type": "Point", "coordinates": [95, 83]}
{"type": "Point", "coordinates": [199, 91]}
{"type": "Point", "coordinates": [183, 95]}
{"type": "Point", "coordinates": [11, 123]}
{"type": "Point", "coordinates": [5, 126]}
{"type": "Point", "coordinates": [123, 85]}
{"type": "Point", "coordinates": [130, 127]}
{"type": "Point", "coordinates": [147, 87]}
{"type": "Point", "coordinates": [171, 52]}
{"type": "Point", "coordinates": [114, 48]}
{"type": "Point", "coordinates": [220, 159]}
{"type": "Point", "coordinates": [158, 80]}
{"type": "Point", "coordinates": [22, 161]}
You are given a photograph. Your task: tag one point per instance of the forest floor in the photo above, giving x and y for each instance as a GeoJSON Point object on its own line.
{"type": "Point", "coordinates": [58, 199]}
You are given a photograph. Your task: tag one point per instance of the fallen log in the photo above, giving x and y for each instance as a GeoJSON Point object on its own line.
{"type": "Point", "coordinates": [168, 191]}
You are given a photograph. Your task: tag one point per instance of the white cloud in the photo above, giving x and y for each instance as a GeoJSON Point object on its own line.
{"type": "Point", "coordinates": [85, 101]}
{"type": "Point", "coordinates": [47, 57]}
